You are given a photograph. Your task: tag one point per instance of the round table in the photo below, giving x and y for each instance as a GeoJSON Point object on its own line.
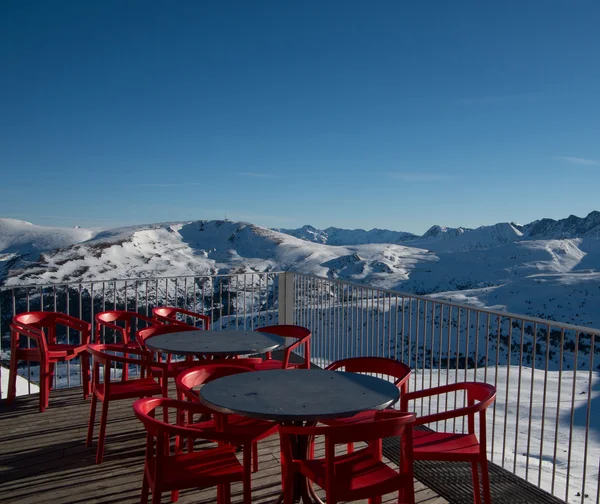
{"type": "Point", "coordinates": [297, 397]}
{"type": "Point", "coordinates": [214, 343]}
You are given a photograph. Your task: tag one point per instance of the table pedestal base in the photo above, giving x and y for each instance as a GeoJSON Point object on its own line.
{"type": "Point", "coordinates": [303, 491]}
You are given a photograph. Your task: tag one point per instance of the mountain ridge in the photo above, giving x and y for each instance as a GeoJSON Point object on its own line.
{"type": "Point", "coordinates": [506, 264]}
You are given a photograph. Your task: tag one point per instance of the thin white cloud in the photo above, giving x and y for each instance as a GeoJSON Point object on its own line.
{"type": "Point", "coordinates": [260, 175]}
{"type": "Point", "coordinates": [577, 160]}
{"type": "Point", "coordinates": [182, 184]}
{"type": "Point", "coordinates": [491, 99]}
{"type": "Point", "coordinates": [419, 176]}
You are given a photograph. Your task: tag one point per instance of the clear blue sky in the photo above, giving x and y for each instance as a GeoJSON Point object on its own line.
{"type": "Point", "coordinates": [352, 113]}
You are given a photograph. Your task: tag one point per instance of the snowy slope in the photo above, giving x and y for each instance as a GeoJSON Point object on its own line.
{"type": "Point", "coordinates": [499, 265]}
{"type": "Point", "coordinates": [338, 236]}
{"type": "Point", "coordinates": [21, 242]}
{"type": "Point", "coordinates": [210, 247]}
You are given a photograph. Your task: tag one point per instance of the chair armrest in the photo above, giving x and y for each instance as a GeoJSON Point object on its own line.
{"type": "Point", "coordinates": [78, 325]}
{"type": "Point", "coordinates": [288, 350]}
{"type": "Point", "coordinates": [152, 321]}
{"type": "Point", "coordinates": [114, 327]}
{"type": "Point", "coordinates": [445, 389]}
{"type": "Point", "coordinates": [29, 332]}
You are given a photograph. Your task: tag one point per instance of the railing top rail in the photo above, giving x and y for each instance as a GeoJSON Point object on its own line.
{"type": "Point", "coordinates": [505, 314]}
{"type": "Point", "coordinates": [138, 279]}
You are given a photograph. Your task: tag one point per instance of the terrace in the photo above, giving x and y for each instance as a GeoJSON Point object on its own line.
{"type": "Point", "coordinates": [543, 438]}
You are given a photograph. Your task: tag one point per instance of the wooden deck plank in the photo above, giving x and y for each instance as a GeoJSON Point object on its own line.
{"type": "Point", "coordinates": [43, 457]}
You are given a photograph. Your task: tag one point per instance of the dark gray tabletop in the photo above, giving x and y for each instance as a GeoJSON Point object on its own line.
{"type": "Point", "coordinates": [214, 342]}
{"type": "Point", "coordinates": [298, 394]}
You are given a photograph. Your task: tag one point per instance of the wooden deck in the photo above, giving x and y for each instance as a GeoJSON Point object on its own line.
{"type": "Point", "coordinates": [43, 457]}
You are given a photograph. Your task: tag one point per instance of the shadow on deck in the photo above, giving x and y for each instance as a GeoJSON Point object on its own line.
{"type": "Point", "coordinates": [43, 457]}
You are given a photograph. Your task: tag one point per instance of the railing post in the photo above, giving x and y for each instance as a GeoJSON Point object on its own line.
{"type": "Point", "coordinates": [286, 298]}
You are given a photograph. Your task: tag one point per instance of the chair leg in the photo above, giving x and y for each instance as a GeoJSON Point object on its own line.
{"type": "Point", "coordinates": [145, 489]}
{"type": "Point", "coordinates": [85, 374]}
{"type": "Point", "coordinates": [156, 497]}
{"type": "Point", "coordinates": [90, 434]}
{"type": "Point", "coordinates": [224, 493]}
{"type": "Point", "coordinates": [247, 479]}
{"type": "Point", "coordinates": [174, 495]}
{"type": "Point", "coordinates": [476, 491]}
{"type": "Point", "coordinates": [102, 434]}
{"type": "Point", "coordinates": [485, 478]}
{"type": "Point", "coordinates": [254, 457]}
{"type": "Point", "coordinates": [350, 447]}
{"type": "Point", "coordinates": [45, 380]}
{"type": "Point", "coordinates": [125, 375]}
{"type": "Point", "coordinates": [374, 500]}
{"type": "Point", "coordinates": [12, 378]}
{"type": "Point", "coordinates": [51, 371]}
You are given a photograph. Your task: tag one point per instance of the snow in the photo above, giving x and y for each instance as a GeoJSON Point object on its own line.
{"type": "Point", "coordinates": [24, 386]}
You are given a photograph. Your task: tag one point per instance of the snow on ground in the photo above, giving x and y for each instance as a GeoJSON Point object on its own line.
{"type": "Point", "coordinates": [24, 386]}
{"type": "Point", "coordinates": [522, 426]}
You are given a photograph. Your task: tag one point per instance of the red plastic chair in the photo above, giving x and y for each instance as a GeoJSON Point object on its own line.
{"type": "Point", "coordinates": [165, 471]}
{"type": "Point", "coordinates": [170, 368]}
{"type": "Point", "coordinates": [358, 475]}
{"type": "Point", "coordinates": [246, 431]}
{"type": "Point", "coordinates": [169, 315]}
{"type": "Point", "coordinates": [299, 333]}
{"type": "Point", "coordinates": [450, 446]}
{"type": "Point", "coordinates": [110, 390]}
{"type": "Point", "coordinates": [372, 365]}
{"type": "Point", "coordinates": [40, 328]}
{"type": "Point", "coordinates": [111, 320]}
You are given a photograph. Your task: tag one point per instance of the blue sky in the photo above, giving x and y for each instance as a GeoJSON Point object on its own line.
{"type": "Point", "coordinates": [382, 114]}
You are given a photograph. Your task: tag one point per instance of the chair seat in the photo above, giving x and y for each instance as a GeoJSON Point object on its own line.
{"type": "Point", "coordinates": [267, 365]}
{"type": "Point", "coordinates": [200, 469]}
{"type": "Point", "coordinates": [358, 475]}
{"type": "Point", "coordinates": [141, 387]}
{"type": "Point", "coordinates": [244, 429]}
{"type": "Point", "coordinates": [55, 352]}
{"type": "Point", "coordinates": [444, 446]}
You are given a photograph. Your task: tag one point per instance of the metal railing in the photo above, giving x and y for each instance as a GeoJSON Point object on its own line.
{"type": "Point", "coordinates": [546, 373]}
{"type": "Point", "coordinates": [543, 426]}
{"type": "Point", "coordinates": [245, 300]}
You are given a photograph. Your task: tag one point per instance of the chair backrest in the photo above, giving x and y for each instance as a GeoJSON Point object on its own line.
{"type": "Point", "coordinates": [107, 355]}
{"type": "Point", "coordinates": [299, 333]}
{"type": "Point", "coordinates": [37, 319]}
{"type": "Point", "coordinates": [204, 373]}
{"type": "Point", "coordinates": [160, 431]}
{"type": "Point", "coordinates": [375, 365]}
{"type": "Point", "coordinates": [121, 321]}
{"type": "Point", "coordinates": [143, 334]}
{"type": "Point", "coordinates": [168, 314]}
{"type": "Point", "coordinates": [286, 331]}
{"type": "Point", "coordinates": [34, 323]}
{"type": "Point", "coordinates": [386, 424]}
{"type": "Point", "coordinates": [382, 427]}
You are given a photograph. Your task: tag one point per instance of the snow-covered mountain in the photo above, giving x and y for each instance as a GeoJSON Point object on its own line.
{"type": "Point", "coordinates": [339, 236]}
{"type": "Point", "coordinates": [532, 269]}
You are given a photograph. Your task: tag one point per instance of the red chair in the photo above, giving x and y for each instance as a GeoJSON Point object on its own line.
{"type": "Point", "coordinates": [169, 315]}
{"type": "Point", "coordinates": [126, 332]}
{"type": "Point", "coordinates": [169, 367]}
{"type": "Point", "coordinates": [358, 475]}
{"type": "Point", "coordinates": [109, 390]}
{"type": "Point", "coordinates": [299, 333]}
{"type": "Point", "coordinates": [165, 471]}
{"type": "Point", "coordinates": [244, 431]}
{"type": "Point", "coordinates": [40, 328]}
{"type": "Point", "coordinates": [373, 365]}
{"type": "Point", "coordinates": [450, 446]}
